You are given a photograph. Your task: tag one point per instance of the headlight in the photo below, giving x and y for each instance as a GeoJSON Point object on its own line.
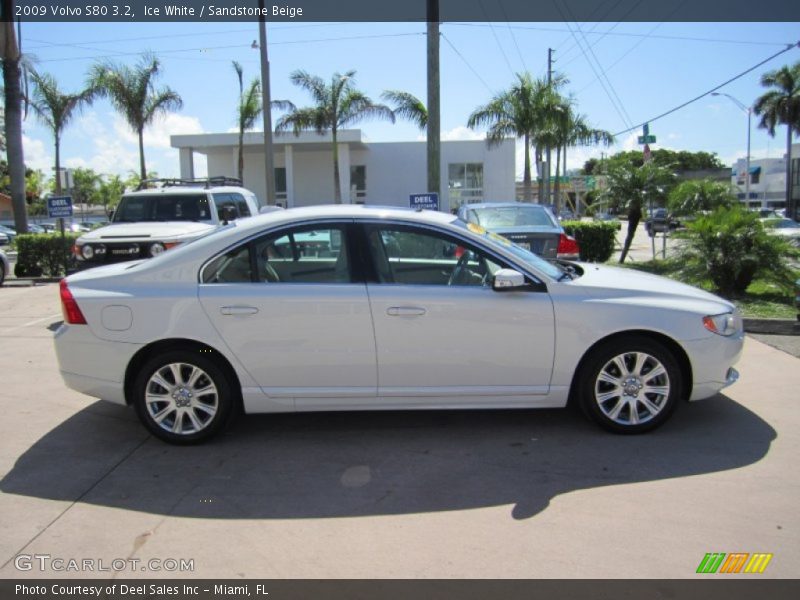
{"type": "Point", "coordinates": [726, 324]}
{"type": "Point", "coordinates": [87, 252]}
{"type": "Point", "coordinates": [156, 249]}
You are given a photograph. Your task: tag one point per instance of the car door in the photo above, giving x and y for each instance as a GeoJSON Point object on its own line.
{"type": "Point", "coordinates": [443, 335]}
{"type": "Point", "coordinates": [291, 309]}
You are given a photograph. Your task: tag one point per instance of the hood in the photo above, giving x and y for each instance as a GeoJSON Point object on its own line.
{"type": "Point", "coordinates": [616, 282]}
{"type": "Point", "coordinates": [147, 231]}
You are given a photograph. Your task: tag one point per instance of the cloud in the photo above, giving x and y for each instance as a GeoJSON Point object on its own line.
{"type": "Point", "coordinates": [36, 156]}
{"type": "Point", "coordinates": [157, 135]}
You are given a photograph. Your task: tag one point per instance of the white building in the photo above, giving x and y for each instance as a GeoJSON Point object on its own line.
{"type": "Point", "coordinates": [385, 173]}
{"type": "Point", "coordinates": [767, 180]}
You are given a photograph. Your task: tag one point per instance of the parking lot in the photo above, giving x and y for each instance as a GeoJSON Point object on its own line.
{"type": "Point", "coordinates": [480, 494]}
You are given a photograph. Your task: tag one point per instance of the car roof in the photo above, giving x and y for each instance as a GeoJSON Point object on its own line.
{"type": "Point", "coordinates": [187, 189]}
{"type": "Point", "coordinates": [503, 205]}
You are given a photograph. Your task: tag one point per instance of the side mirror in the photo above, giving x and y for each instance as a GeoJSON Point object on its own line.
{"type": "Point", "coordinates": [506, 280]}
{"type": "Point", "coordinates": [228, 214]}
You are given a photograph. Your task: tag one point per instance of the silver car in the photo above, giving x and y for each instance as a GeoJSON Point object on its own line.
{"type": "Point", "coordinates": [532, 226]}
{"type": "Point", "coordinates": [358, 308]}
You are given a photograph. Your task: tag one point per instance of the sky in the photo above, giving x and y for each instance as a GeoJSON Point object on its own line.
{"type": "Point", "coordinates": [620, 75]}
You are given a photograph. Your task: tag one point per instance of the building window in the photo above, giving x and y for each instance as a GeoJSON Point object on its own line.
{"type": "Point", "coordinates": [358, 182]}
{"type": "Point", "coordinates": [464, 183]}
{"type": "Point", "coordinates": [280, 184]}
{"type": "Point", "coordinates": [755, 176]}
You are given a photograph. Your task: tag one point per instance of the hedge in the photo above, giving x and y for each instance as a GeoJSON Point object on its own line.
{"type": "Point", "coordinates": [596, 238]}
{"type": "Point", "coordinates": [42, 254]}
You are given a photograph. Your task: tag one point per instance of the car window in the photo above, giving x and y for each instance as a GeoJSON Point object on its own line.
{"type": "Point", "coordinates": [510, 216]}
{"type": "Point", "coordinates": [162, 207]}
{"type": "Point", "coordinates": [231, 267]}
{"type": "Point", "coordinates": [408, 256]}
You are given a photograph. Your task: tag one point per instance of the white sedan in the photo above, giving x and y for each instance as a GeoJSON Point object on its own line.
{"type": "Point", "coordinates": [362, 308]}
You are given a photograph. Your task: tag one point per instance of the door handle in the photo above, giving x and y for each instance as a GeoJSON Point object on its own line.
{"type": "Point", "coordinates": [238, 310]}
{"type": "Point", "coordinates": [405, 311]}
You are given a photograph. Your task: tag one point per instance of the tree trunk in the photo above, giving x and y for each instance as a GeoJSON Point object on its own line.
{"type": "Point", "coordinates": [540, 172]}
{"type": "Point", "coordinates": [58, 165]}
{"type": "Point", "coordinates": [240, 164]}
{"type": "Point", "coordinates": [634, 216]}
{"type": "Point", "coordinates": [557, 190]}
{"type": "Point", "coordinates": [337, 193]}
{"type": "Point", "coordinates": [526, 177]}
{"type": "Point", "coordinates": [791, 208]}
{"type": "Point", "coordinates": [13, 119]}
{"type": "Point", "coordinates": [142, 169]}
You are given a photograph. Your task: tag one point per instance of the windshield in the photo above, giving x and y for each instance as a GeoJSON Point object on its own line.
{"type": "Point", "coordinates": [524, 256]}
{"type": "Point", "coordinates": [162, 207]}
{"type": "Point", "coordinates": [511, 216]}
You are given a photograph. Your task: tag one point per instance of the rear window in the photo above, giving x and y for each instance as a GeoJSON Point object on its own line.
{"type": "Point", "coordinates": [511, 216]}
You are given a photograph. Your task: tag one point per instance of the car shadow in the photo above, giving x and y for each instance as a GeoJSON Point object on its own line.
{"type": "Point", "coordinates": [379, 463]}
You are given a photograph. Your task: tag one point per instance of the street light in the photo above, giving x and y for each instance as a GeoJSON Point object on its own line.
{"type": "Point", "coordinates": [749, 111]}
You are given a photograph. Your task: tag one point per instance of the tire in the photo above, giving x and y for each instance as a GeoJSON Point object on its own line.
{"type": "Point", "coordinates": [183, 397]}
{"type": "Point", "coordinates": [630, 385]}
{"type": "Point", "coordinates": [2, 273]}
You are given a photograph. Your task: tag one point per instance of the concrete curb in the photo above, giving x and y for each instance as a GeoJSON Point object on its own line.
{"type": "Point", "coordinates": [772, 326]}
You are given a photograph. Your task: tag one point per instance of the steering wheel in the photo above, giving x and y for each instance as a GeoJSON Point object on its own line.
{"type": "Point", "coordinates": [270, 274]}
{"type": "Point", "coordinates": [459, 269]}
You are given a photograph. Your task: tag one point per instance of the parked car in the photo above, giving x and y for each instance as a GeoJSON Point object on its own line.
{"type": "Point", "coordinates": [5, 267]}
{"type": "Point", "coordinates": [408, 310]}
{"type": "Point", "coordinates": [149, 221]}
{"type": "Point", "coordinates": [608, 218]}
{"type": "Point", "coordinates": [786, 228]}
{"type": "Point", "coordinates": [4, 241]}
{"type": "Point", "coordinates": [660, 222]}
{"type": "Point", "coordinates": [8, 232]}
{"type": "Point", "coordinates": [532, 226]}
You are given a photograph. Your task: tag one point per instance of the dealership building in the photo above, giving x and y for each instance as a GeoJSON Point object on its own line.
{"type": "Point", "coordinates": [380, 173]}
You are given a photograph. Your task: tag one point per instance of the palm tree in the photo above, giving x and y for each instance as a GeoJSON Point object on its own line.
{"type": "Point", "coordinates": [9, 51]}
{"type": "Point", "coordinates": [336, 106]}
{"type": "Point", "coordinates": [574, 130]}
{"type": "Point", "coordinates": [631, 188]}
{"type": "Point", "coordinates": [526, 111]}
{"type": "Point", "coordinates": [247, 112]}
{"type": "Point", "coordinates": [781, 106]}
{"type": "Point", "coordinates": [407, 106]}
{"type": "Point", "coordinates": [55, 109]}
{"type": "Point", "coordinates": [133, 93]}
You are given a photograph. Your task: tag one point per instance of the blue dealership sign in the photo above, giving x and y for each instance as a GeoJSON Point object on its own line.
{"type": "Point", "coordinates": [427, 201]}
{"type": "Point", "coordinates": [59, 206]}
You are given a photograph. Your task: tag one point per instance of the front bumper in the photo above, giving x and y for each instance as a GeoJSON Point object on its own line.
{"type": "Point", "coordinates": [712, 360]}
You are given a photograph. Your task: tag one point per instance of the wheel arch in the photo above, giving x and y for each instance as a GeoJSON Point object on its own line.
{"type": "Point", "coordinates": [154, 348]}
{"type": "Point", "coordinates": [684, 364]}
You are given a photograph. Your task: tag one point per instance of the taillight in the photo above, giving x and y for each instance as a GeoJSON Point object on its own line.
{"type": "Point", "coordinates": [72, 313]}
{"type": "Point", "coordinates": [568, 246]}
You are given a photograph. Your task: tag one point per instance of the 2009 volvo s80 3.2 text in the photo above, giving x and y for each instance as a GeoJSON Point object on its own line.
{"type": "Point", "coordinates": [363, 308]}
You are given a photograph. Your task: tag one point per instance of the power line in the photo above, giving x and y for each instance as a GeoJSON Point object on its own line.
{"type": "Point", "coordinates": [628, 34]}
{"type": "Point", "coordinates": [207, 48]}
{"type": "Point", "coordinates": [513, 37]}
{"type": "Point", "coordinates": [466, 62]}
{"type": "Point", "coordinates": [496, 39]}
{"type": "Point", "coordinates": [714, 89]}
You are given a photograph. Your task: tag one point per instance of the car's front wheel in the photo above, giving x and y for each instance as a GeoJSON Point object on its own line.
{"type": "Point", "coordinates": [182, 397]}
{"type": "Point", "coordinates": [630, 385]}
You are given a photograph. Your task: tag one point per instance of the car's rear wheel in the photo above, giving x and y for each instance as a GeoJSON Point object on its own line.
{"type": "Point", "coordinates": [182, 397]}
{"type": "Point", "coordinates": [630, 385]}
{"type": "Point", "coordinates": [2, 273]}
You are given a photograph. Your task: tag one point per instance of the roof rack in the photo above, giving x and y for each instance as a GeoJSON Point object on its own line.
{"type": "Point", "coordinates": [206, 182]}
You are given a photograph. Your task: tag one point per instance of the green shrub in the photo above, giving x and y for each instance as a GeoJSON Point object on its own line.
{"type": "Point", "coordinates": [730, 247]}
{"type": "Point", "coordinates": [42, 254]}
{"type": "Point", "coordinates": [596, 239]}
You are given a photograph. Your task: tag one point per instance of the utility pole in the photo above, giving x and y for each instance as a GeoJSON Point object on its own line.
{"type": "Point", "coordinates": [266, 100]}
{"type": "Point", "coordinates": [548, 150]}
{"type": "Point", "coordinates": [434, 121]}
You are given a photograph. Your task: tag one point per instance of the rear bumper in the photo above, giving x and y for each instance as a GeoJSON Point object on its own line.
{"type": "Point", "coordinates": [90, 365]}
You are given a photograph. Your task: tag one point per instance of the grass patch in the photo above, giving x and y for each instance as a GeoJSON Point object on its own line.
{"type": "Point", "coordinates": [762, 300]}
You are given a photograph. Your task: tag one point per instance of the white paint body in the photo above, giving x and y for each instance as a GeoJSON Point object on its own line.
{"type": "Point", "coordinates": [301, 347]}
